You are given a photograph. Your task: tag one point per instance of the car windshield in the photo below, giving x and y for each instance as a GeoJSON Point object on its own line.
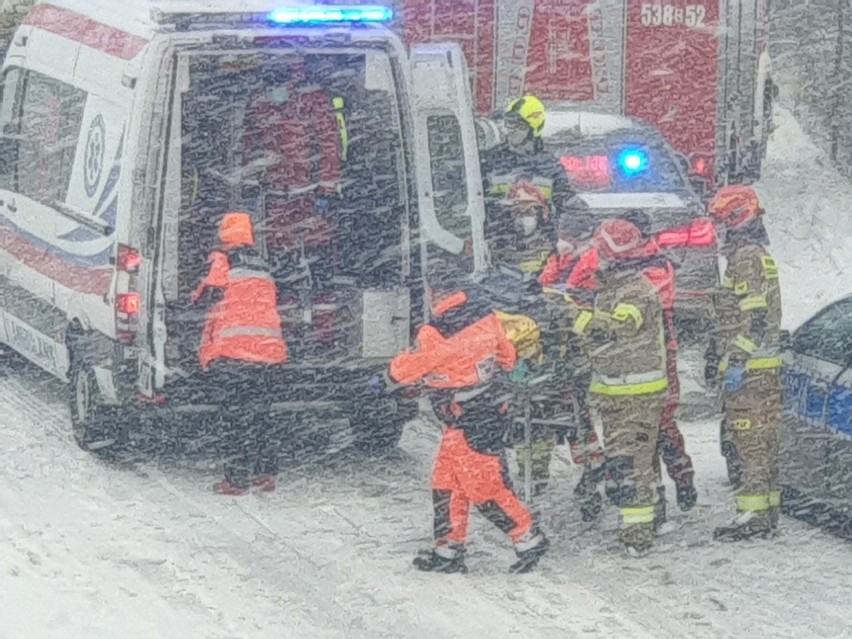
{"type": "Point", "coordinates": [619, 162]}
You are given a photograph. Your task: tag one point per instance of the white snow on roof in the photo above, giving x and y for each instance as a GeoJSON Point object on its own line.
{"type": "Point", "coordinates": [134, 16]}
{"type": "Point", "coordinates": [589, 122]}
{"type": "Point", "coordinates": [634, 201]}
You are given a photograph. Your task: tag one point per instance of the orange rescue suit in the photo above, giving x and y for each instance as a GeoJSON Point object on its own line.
{"type": "Point", "coordinates": [243, 324]}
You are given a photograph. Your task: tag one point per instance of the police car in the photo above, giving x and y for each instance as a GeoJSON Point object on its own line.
{"type": "Point", "coordinates": [618, 164]}
{"type": "Point", "coordinates": [816, 432]}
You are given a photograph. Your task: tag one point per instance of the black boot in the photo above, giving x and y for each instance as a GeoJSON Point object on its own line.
{"type": "Point", "coordinates": [660, 506]}
{"type": "Point", "coordinates": [591, 507]}
{"type": "Point", "coordinates": [745, 526]}
{"type": "Point", "coordinates": [589, 481]}
{"type": "Point", "coordinates": [687, 496]}
{"type": "Point", "coordinates": [529, 550]}
{"type": "Point", "coordinates": [441, 559]}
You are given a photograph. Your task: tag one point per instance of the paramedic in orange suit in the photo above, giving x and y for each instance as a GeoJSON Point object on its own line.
{"type": "Point", "coordinates": [458, 358]}
{"type": "Point", "coordinates": [241, 338]}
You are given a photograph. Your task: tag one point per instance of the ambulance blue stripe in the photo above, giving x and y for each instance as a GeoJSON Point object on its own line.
{"type": "Point", "coordinates": [99, 259]}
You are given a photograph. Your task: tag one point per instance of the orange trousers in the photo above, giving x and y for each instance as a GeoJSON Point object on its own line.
{"type": "Point", "coordinates": [463, 476]}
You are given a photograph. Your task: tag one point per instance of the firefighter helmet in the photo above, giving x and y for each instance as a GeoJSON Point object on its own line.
{"type": "Point", "coordinates": [619, 239]}
{"type": "Point", "coordinates": [734, 204]}
{"type": "Point", "coordinates": [530, 110]}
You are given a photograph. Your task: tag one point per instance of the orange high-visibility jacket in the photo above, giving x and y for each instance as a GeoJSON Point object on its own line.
{"type": "Point", "coordinates": [463, 359]}
{"type": "Point", "coordinates": [244, 324]}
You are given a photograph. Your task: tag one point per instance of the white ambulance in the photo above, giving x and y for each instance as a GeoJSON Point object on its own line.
{"type": "Point", "coordinates": [122, 136]}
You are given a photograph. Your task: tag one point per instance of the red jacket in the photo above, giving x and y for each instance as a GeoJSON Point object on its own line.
{"type": "Point", "coordinates": [577, 273]}
{"type": "Point", "coordinates": [299, 137]}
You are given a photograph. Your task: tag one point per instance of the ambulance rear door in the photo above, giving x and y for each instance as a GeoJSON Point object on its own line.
{"type": "Point", "coordinates": [449, 179]}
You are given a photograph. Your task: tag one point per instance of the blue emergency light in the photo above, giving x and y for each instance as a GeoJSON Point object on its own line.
{"type": "Point", "coordinates": [324, 14]}
{"type": "Point", "coordinates": [633, 161]}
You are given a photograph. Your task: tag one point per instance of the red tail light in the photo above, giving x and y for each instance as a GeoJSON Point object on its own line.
{"type": "Point", "coordinates": [702, 233]}
{"type": "Point", "coordinates": [702, 166]}
{"type": "Point", "coordinates": [129, 259]}
{"type": "Point", "coordinates": [699, 233]}
{"type": "Point", "coordinates": [128, 304]}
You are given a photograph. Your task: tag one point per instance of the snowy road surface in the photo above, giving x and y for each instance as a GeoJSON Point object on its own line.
{"type": "Point", "coordinates": [91, 551]}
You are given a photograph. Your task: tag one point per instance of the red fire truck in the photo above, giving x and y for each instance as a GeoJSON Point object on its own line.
{"type": "Point", "coordinates": [697, 70]}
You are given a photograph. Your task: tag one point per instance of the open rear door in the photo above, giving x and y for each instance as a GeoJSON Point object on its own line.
{"type": "Point", "coordinates": [452, 208]}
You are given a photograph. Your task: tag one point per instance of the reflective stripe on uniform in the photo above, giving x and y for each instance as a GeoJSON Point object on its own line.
{"type": "Point", "coordinates": [753, 503]}
{"type": "Point", "coordinates": [248, 273]}
{"type": "Point", "coordinates": [728, 282]}
{"type": "Point", "coordinates": [763, 363]}
{"type": "Point", "coordinates": [635, 384]}
{"type": "Point", "coordinates": [744, 343]}
{"type": "Point", "coordinates": [637, 515]}
{"type": "Point", "coordinates": [338, 104]}
{"type": "Point", "coordinates": [755, 364]}
{"type": "Point", "coordinates": [774, 499]}
{"type": "Point", "coordinates": [753, 303]}
{"type": "Point", "coordinates": [623, 312]}
{"type": "Point", "coordinates": [248, 331]}
{"type": "Point", "coordinates": [582, 322]}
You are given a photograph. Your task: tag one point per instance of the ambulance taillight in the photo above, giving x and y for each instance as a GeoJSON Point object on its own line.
{"type": "Point", "coordinates": [128, 301]}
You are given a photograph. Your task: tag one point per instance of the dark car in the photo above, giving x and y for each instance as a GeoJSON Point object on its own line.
{"type": "Point", "coordinates": [816, 433]}
{"type": "Point", "coordinates": [617, 164]}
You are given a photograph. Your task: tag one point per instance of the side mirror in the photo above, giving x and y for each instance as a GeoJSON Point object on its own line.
{"type": "Point", "coordinates": [786, 340]}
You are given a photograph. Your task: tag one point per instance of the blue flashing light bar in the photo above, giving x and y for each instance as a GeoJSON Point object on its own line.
{"type": "Point", "coordinates": [633, 161]}
{"type": "Point", "coordinates": [324, 14]}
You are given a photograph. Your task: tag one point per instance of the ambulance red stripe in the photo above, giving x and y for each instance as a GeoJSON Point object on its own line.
{"type": "Point", "coordinates": [80, 28]}
{"type": "Point", "coordinates": [83, 279]}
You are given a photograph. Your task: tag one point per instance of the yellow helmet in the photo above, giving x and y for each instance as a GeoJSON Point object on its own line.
{"type": "Point", "coordinates": [529, 109]}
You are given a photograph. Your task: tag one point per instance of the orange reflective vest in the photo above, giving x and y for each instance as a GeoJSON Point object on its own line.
{"type": "Point", "coordinates": [467, 358]}
{"type": "Point", "coordinates": [244, 324]}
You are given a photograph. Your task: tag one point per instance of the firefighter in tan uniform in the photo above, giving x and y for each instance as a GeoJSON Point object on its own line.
{"type": "Point", "coordinates": [752, 363]}
{"type": "Point", "coordinates": [629, 381]}
{"type": "Point", "coordinates": [725, 330]}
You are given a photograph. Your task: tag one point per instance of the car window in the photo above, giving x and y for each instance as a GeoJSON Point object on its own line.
{"type": "Point", "coordinates": [618, 163]}
{"type": "Point", "coordinates": [827, 336]}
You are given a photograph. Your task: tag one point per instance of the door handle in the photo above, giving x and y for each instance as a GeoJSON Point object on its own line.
{"type": "Point", "coordinates": [12, 206]}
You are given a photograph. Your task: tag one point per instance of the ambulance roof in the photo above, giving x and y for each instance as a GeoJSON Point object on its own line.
{"type": "Point", "coordinates": [136, 16]}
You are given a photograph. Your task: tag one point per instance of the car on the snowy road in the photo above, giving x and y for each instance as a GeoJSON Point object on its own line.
{"type": "Point", "coordinates": [617, 164]}
{"type": "Point", "coordinates": [816, 432]}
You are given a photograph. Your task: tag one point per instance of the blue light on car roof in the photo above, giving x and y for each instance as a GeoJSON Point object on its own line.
{"type": "Point", "coordinates": [633, 161]}
{"type": "Point", "coordinates": [327, 13]}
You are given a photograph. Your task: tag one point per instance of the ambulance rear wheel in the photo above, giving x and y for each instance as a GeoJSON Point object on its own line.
{"type": "Point", "coordinates": [92, 426]}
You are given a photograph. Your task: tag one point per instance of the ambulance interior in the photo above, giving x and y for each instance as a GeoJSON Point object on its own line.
{"type": "Point", "coordinates": [310, 144]}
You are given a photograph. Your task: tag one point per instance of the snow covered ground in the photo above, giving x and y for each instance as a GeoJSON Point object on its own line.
{"type": "Point", "coordinates": [92, 551]}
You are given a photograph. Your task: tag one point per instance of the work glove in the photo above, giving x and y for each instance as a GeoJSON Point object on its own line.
{"type": "Point", "coordinates": [520, 372]}
{"type": "Point", "coordinates": [321, 205]}
{"type": "Point", "coordinates": [377, 386]}
{"type": "Point", "coordinates": [711, 364]}
{"type": "Point", "coordinates": [711, 370]}
{"type": "Point", "coordinates": [734, 378]}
